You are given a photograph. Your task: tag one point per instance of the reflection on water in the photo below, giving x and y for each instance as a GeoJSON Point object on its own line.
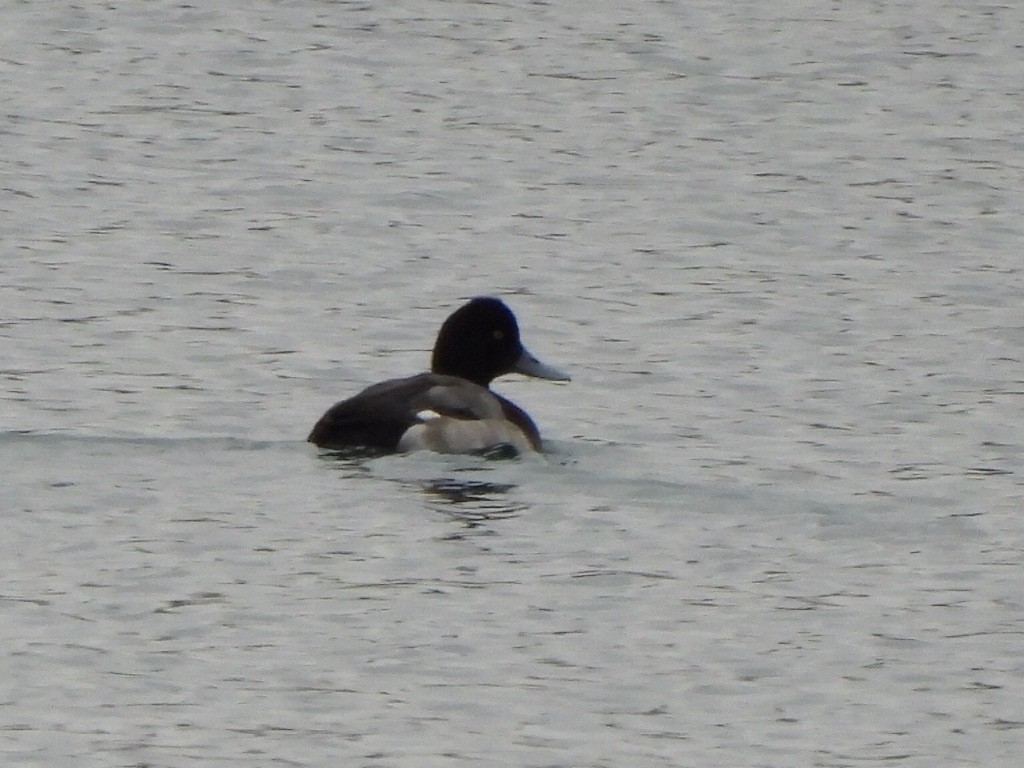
{"type": "Point", "coordinates": [352, 454]}
{"type": "Point", "coordinates": [472, 501]}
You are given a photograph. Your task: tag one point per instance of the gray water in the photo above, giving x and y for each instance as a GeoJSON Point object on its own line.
{"type": "Point", "coordinates": [778, 245]}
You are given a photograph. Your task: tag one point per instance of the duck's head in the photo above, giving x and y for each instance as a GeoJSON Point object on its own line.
{"type": "Point", "coordinates": [480, 341]}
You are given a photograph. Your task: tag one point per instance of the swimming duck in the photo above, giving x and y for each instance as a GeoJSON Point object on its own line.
{"type": "Point", "coordinates": [450, 409]}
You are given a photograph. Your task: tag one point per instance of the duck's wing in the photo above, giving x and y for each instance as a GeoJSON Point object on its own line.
{"type": "Point", "coordinates": [458, 416]}
{"type": "Point", "coordinates": [452, 397]}
{"type": "Point", "coordinates": [379, 415]}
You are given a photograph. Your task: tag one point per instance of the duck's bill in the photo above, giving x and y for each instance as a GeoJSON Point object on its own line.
{"type": "Point", "coordinates": [528, 365]}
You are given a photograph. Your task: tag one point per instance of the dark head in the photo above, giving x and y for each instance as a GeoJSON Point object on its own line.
{"type": "Point", "coordinates": [480, 341]}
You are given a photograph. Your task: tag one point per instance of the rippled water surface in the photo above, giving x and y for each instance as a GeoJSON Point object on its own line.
{"type": "Point", "coordinates": [778, 247]}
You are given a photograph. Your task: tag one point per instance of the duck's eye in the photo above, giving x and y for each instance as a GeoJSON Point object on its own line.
{"type": "Point", "coordinates": [499, 335]}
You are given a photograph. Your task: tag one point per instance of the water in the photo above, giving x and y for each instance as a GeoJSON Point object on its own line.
{"type": "Point", "coordinates": [776, 245]}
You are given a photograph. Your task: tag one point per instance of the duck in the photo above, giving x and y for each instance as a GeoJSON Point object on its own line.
{"type": "Point", "coordinates": [451, 408]}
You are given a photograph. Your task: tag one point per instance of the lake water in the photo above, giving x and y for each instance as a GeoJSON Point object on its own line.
{"type": "Point", "coordinates": [778, 246]}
